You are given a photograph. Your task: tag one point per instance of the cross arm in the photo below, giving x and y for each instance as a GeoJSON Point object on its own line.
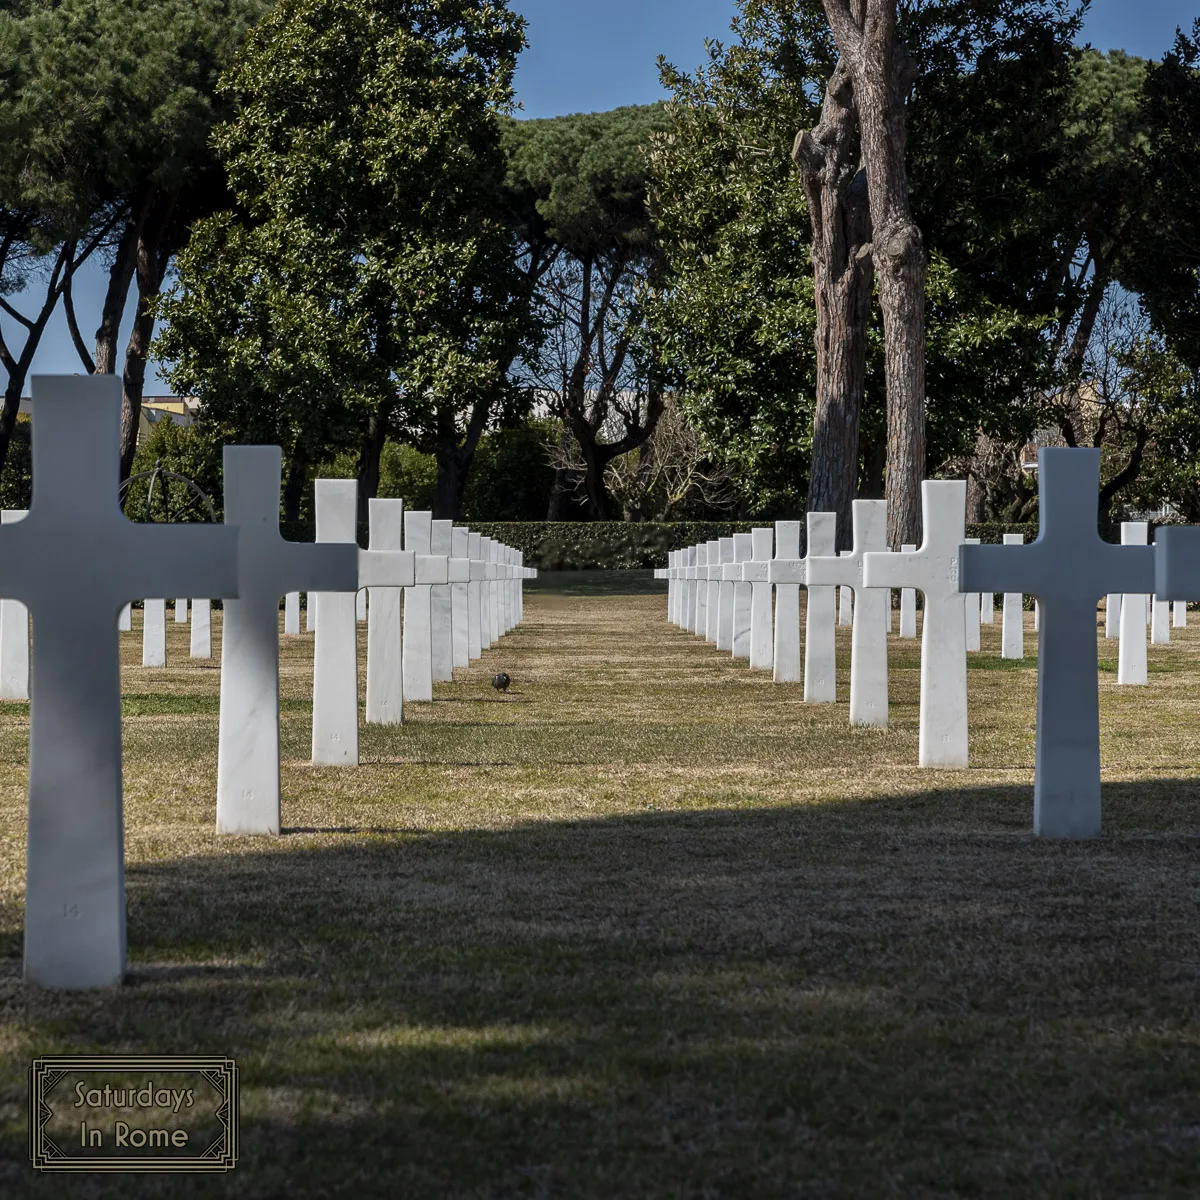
{"type": "Point", "coordinates": [433, 568]}
{"type": "Point", "coordinates": [788, 570]}
{"type": "Point", "coordinates": [1044, 569]}
{"type": "Point", "coordinates": [824, 570]}
{"type": "Point", "coordinates": [1177, 562]}
{"type": "Point", "coordinates": [318, 567]}
{"type": "Point", "coordinates": [386, 568]}
{"type": "Point", "coordinates": [883, 569]}
{"type": "Point", "coordinates": [175, 560]}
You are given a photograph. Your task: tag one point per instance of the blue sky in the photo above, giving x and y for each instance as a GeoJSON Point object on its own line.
{"type": "Point", "coordinates": [592, 55]}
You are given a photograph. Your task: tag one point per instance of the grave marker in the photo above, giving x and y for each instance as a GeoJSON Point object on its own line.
{"type": "Point", "coordinates": [385, 687]}
{"type": "Point", "coordinates": [908, 602]}
{"type": "Point", "coordinates": [14, 635]}
{"type": "Point", "coordinates": [200, 642]}
{"type": "Point", "coordinates": [725, 587]}
{"type": "Point", "coordinates": [74, 535]}
{"type": "Point", "coordinates": [1068, 568]}
{"type": "Point", "coordinates": [762, 650]}
{"type": "Point", "coordinates": [291, 613]}
{"type": "Point", "coordinates": [971, 605]}
{"type": "Point", "coordinates": [154, 633]}
{"type": "Point", "coordinates": [248, 797]}
{"type": "Point", "coordinates": [820, 627]}
{"type": "Point", "coordinates": [868, 642]}
{"type": "Point", "coordinates": [933, 570]}
{"type": "Point", "coordinates": [1012, 629]}
{"type": "Point", "coordinates": [460, 548]}
{"type": "Point", "coordinates": [1131, 651]}
{"type": "Point", "coordinates": [787, 572]}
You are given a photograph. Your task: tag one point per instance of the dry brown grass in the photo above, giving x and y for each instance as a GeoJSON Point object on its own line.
{"type": "Point", "coordinates": [651, 926]}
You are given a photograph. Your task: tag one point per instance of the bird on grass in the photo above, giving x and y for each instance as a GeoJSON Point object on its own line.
{"type": "Point", "coordinates": [501, 681]}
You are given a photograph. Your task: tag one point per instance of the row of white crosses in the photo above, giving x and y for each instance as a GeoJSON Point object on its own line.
{"type": "Point", "coordinates": [75, 535]}
{"type": "Point", "coordinates": [823, 572]}
{"type": "Point", "coordinates": [1067, 569]}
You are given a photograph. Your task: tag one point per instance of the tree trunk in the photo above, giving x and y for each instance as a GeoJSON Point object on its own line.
{"type": "Point", "coordinates": [842, 273]}
{"type": "Point", "coordinates": [153, 253]}
{"type": "Point", "coordinates": [370, 454]}
{"type": "Point", "coordinates": [883, 75]}
{"type": "Point", "coordinates": [293, 492]}
{"type": "Point", "coordinates": [594, 463]}
{"type": "Point", "coordinates": [120, 276]}
{"type": "Point", "coordinates": [454, 461]}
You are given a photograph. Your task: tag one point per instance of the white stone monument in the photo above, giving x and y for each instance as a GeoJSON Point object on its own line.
{"type": "Point", "coordinates": [459, 589]}
{"type": "Point", "coordinates": [987, 608]}
{"type": "Point", "coordinates": [385, 687]}
{"type": "Point", "coordinates": [725, 586]}
{"type": "Point", "coordinates": [76, 536]}
{"type": "Point", "coordinates": [908, 603]}
{"type": "Point", "coordinates": [787, 572]}
{"type": "Point", "coordinates": [762, 647]}
{"type": "Point", "coordinates": [743, 550]}
{"type": "Point", "coordinates": [868, 642]}
{"type": "Point", "coordinates": [14, 635]}
{"type": "Point", "coordinates": [1131, 651]}
{"type": "Point", "coordinates": [441, 610]}
{"type": "Point", "coordinates": [475, 596]}
{"type": "Point", "coordinates": [200, 639]}
{"type": "Point", "coordinates": [248, 794]}
{"type": "Point", "coordinates": [933, 570]}
{"type": "Point", "coordinates": [124, 621]}
{"type": "Point", "coordinates": [971, 604]}
{"type": "Point", "coordinates": [1012, 629]}
{"type": "Point", "coordinates": [154, 633]}
{"type": "Point", "coordinates": [1179, 614]}
{"type": "Point", "coordinates": [360, 605]}
{"type": "Point", "coordinates": [418, 645]}
{"type": "Point", "coordinates": [181, 612]}
{"type": "Point", "coordinates": [820, 628]}
{"type": "Point", "coordinates": [1160, 623]}
{"type": "Point", "coordinates": [291, 613]}
{"type": "Point", "coordinates": [1068, 568]}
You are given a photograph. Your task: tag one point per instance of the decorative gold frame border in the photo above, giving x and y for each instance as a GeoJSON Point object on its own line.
{"type": "Point", "coordinates": [220, 1073]}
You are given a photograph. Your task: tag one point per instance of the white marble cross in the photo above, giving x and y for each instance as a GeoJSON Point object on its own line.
{"type": "Point", "coordinates": [700, 627]}
{"type": "Point", "coordinates": [76, 535]}
{"type": "Point", "coordinates": [846, 601]}
{"type": "Point", "coordinates": [987, 608]}
{"type": "Point", "coordinates": [725, 595]}
{"type": "Point", "coordinates": [674, 591]}
{"type": "Point", "coordinates": [200, 641]}
{"type": "Point", "coordinates": [360, 605]}
{"type": "Point", "coordinates": [1068, 568]}
{"type": "Point", "coordinates": [154, 632]}
{"type": "Point", "coordinates": [14, 635]}
{"type": "Point", "coordinates": [820, 622]}
{"type": "Point", "coordinates": [460, 575]}
{"type": "Point", "coordinates": [971, 605]}
{"type": "Point", "coordinates": [181, 612]}
{"type": "Point", "coordinates": [385, 688]}
{"type": "Point", "coordinates": [441, 610]}
{"type": "Point", "coordinates": [248, 795]}
{"type": "Point", "coordinates": [418, 646]}
{"type": "Point", "coordinates": [933, 571]}
{"type": "Point", "coordinates": [762, 656]}
{"type": "Point", "coordinates": [1179, 614]}
{"type": "Point", "coordinates": [868, 641]}
{"type": "Point", "coordinates": [787, 572]}
{"type": "Point", "coordinates": [743, 549]}
{"type": "Point", "coordinates": [908, 603]}
{"type": "Point", "coordinates": [1131, 651]}
{"type": "Point", "coordinates": [124, 621]}
{"type": "Point", "coordinates": [1160, 623]}
{"type": "Point", "coordinates": [1112, 615]}
{"type": "Point", "coordinates": [712, 609]}
{"type": "Point", "coordinates": [1012, 626]}
{"type": "Point", "coordinates": [474, 595]}
{"type": "Point", "coordinates": [291, 613]}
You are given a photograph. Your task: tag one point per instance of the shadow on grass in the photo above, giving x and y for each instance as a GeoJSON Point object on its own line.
{"type": "Point", "coordinates": [802, 1000]}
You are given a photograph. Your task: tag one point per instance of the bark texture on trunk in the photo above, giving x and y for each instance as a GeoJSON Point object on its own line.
{"type": "Point", "coordinates": [841, 226]}
{"type": "Point", "coordinates": [454, 460]}
{"type": "Point", "coordinates": [120, 276]}
{"type": "Point", "coordinates": [154, 250]}
{"type": "Point", "coordinates": [370, 455]}
{"type": "Point", "coordinates": [883, 74]}
{"type": "Point", "coordinates": [293, 491]}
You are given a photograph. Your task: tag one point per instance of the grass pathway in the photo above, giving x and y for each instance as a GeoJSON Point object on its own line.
{"type": "Point", "coordinates": [651, 926]}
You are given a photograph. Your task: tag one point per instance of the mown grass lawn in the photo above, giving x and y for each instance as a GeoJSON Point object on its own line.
{"type": "Point", "coordinates": [650, 926]}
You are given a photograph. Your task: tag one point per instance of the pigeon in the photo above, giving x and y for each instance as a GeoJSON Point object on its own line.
{"type": "Point", "coordinates": [500, 682]}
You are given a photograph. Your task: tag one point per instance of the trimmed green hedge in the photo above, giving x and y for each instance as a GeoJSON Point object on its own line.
{"type": "Point", "coordinates": [618, 545]}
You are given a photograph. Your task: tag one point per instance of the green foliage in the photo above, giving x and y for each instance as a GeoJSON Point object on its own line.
{"type": "Point", "coordinates": [1163, 262]}
{"type": "Point", "coordinates": [407, 474]}
{"type": "Point", "coordinates": [737, 319]}
{"type": "Point", "coordinates": [16, 479]}
{"type": "Point", "coordinates": [187, 450]}
{"type": "Point", "coordinates": [365, 272]}
{"type": "Point", "coordinates": [511, 476]}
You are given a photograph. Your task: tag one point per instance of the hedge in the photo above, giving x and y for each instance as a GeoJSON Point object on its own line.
{"type": "Point", "coordinates": [618, 545]}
